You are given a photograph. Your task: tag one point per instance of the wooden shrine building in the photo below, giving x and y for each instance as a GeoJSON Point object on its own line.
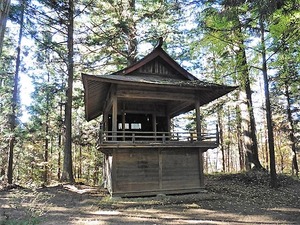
{"type": "Point", "coordinates": [143, 155]}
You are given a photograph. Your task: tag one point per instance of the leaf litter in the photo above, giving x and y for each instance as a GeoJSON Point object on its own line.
{"type": "Point", "coordinates": [229, 199]}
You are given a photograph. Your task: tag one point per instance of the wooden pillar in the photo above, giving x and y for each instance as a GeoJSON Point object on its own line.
{"type": "Point", "coordinates": [198, 120]}
{"type": "Point", "coordinates": [154, 124]}
{"type": "Point", "coordinates": [123, 124]}
{"type": "Point", "coordinates": [101, 133]}
{"type": "Point", "coordinates": [103, 128]}
{"type": "Point", "coordinates": [114, 117]}
{"type": "Point", "coordinates": [105, 122]}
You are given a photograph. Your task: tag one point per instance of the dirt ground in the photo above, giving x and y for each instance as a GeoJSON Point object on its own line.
{"type": "Point", "coordinates": [226, 201]}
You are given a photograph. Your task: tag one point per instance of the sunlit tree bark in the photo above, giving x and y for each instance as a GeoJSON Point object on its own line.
{"type": "Point", "coordinates": [67, 173]}
{"type": "Point", "coordinates": [4, 10]}
{"type": "Point", "coordinates": [291, 131]}
{"type": "Point", "coordinates": [15, 94]}
{"type": "Point", "coordinates": [273, 182]}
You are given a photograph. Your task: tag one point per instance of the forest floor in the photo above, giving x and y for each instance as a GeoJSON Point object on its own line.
{"type": "Point", "coordinates": [229, 199]}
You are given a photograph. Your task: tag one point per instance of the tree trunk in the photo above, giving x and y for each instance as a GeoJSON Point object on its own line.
{"type": "Point", "coordinates": [98, 164]}
{"type": "Point", "coordinates": [67, 174]}
{"type": "Point", "coordinates": [239, 139]}
{"type": "Point", "coordinates": [4, 10]}
{"type": "Point", "coordinates": [273, 182]}
{"type": "Point", "coordinates": [291, 131]}
{"type": "Point", "coordinates": [266, 147]}
{"type": "Point", "coordinates": [60, 137]}
{"type": "Point", "coordinates": [228, 141]}
{"type": "Point", "coordinates": [249, 127]}
{"type": "Point", "coordinates": [13, 116]}
{"type": "Point", "coordinates": [80, 162]}
{"type": "Point", "coordinates": [46, 152]}
{"type": "Point", "coordinates": [220, 124]}
{"type": "Point", "coordinates": [252, 131]}
{"type": "Point", "coordinates": [131, 34]}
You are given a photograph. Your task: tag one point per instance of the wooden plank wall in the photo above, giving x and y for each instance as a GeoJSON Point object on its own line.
{"type": "Point", "coordinates": [155, 171]}
{"type": "Point", "coordinates": [136, 170]}
{"type": "Point", "coordinates": [180, 169]}
{"type": "Point", "coordinates": [159, 67]}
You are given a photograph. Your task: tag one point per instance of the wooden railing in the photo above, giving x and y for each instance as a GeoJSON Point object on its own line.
{"type": "Point", "coordinates": [155, 137]}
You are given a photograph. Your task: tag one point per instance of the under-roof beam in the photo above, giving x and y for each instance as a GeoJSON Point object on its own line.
{"type": "Point", "coordinates": [157, 95]}
{"type": "Point", "coordinates": [180, 106]}
{"type": "Point", "coordinates": [108, 101]}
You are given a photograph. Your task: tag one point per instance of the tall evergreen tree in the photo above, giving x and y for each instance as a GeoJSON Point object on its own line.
{"type": "Point", "coordinates": [285, 37]}
{"type": "Point", "coordinates": [4, 10]}
{"type": "Point", "coordinates": [224, 23]}
{"type": "Point", "coordinates": [67, 173]}
{"type": "Point", "coordinates": [48, 26]}
{"type": "Point", "coordinates": [263, 14]}
{"type": "Point", "coordinates": [117, 30]}
{"type": "Point", "coordinates": [15, 97]}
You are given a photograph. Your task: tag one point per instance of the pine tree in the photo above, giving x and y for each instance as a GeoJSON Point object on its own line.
{"type": "Point", "coordinates": [225, 35]}
{"type": "Point", "coordinates": [4, 10]}
{"type": "Point", "coordinates": [13, 115]}
{"type": "Point", "coordinates": [67, 173]}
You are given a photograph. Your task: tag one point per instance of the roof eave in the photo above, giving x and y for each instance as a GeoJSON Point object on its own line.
{"type": "Point", "coordinates": [92, 114]}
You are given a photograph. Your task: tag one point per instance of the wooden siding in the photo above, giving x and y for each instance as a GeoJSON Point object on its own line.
{"type": "Point", "coordinates": [136, 170]}
{"type": "Point", "coordinates": [157, 66]}
{"type": "Point", "coordinates": [156, 58]}
{"type": "Point", "coordinates": [180, 169]}
{"type": "Point", "coordinates": [142, 172]}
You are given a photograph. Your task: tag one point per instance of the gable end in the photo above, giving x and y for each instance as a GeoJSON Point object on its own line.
{"type": "Point", "coordinates": [158, 67]}
{"type": "Point", "coordinates": [158, 61]}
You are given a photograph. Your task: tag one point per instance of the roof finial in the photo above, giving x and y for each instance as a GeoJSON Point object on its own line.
{"type": "Point", "coordinates": [160, 42]}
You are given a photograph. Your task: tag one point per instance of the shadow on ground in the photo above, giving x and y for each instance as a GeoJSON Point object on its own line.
{"type": "Point", "coordinates": [228, 200]}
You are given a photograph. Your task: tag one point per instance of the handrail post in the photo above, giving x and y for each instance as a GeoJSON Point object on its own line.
{"type": "Point", "coordinates": [191, 136]}
{"type": "Point", "coordinates": [133, 137]}
{"type": "Point", "coordinates": [164, 138]}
